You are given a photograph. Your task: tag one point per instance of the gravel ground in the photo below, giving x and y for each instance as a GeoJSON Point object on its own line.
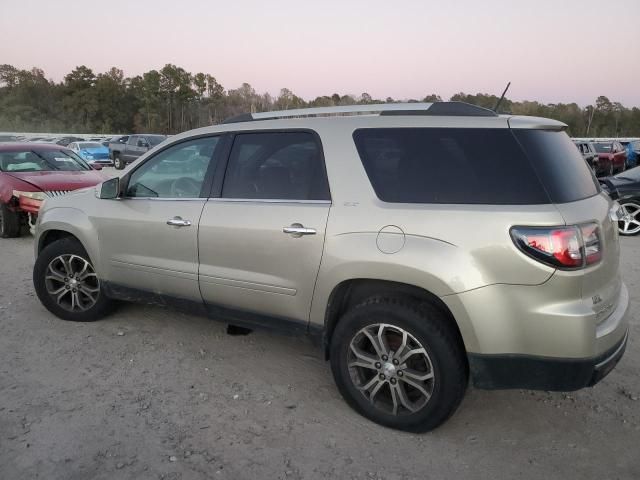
{"type": "Point", "coordinates": [153, 393]}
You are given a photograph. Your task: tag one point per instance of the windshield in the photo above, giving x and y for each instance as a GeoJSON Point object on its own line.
{"type": "Point", "coordinates": [155, 139]}
{"type": "Point", "coordinates": [42, 161]}
{"type": "Point", "coordinates": [603, 147]}
{"type": "Point", "coordinates": [90, 145]}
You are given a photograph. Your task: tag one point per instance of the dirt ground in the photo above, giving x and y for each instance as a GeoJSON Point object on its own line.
{"type": "Point", "coordinates": [153, 393]}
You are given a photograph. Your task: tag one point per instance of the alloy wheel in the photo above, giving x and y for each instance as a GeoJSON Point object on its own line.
{"type": "Point", "coordinates": [391, 369]}
{"type": "Point", "coordinates": [72, 282]}
{"type": "Point", "coordinates": [629, 224]}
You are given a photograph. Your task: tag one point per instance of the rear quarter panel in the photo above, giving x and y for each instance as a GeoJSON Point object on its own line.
{"type": "Point", "coordinates": [446, 249]}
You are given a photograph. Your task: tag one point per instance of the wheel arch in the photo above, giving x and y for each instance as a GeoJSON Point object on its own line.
{"type": "Point", "coordinates": [351, 292]}
{"type": "Point", "coordinates": [59, 223]}
{"type": "Point", "coordinates": [50, 236]}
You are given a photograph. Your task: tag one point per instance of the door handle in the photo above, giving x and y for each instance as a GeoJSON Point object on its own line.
{"type": "Point", "coordinates": [178, 222]}
{"type": "Point", "coordinates": [297, 230]}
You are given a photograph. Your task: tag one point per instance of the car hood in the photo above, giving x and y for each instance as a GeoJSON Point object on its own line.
{"type": "Point", "coordinates": [48, 181]}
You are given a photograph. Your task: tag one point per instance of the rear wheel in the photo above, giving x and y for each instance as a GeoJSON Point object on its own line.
{"type": "Point", "coordinates": [9, 222]}
{"type": "Point", "coordinates": [117, 162]}
{"type": "Point", "coordinates": [399, 365]}
{"type": "Point", "coordinates": [66, 282]}
{"type": "Point", "coordinates": [629, 224]}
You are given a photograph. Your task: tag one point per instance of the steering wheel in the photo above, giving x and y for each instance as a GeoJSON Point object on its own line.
{"type": "Point", "coordinates": [185, 187]}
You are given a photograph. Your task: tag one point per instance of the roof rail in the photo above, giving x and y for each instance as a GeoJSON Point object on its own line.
{"type": "Point", "coordinates": [383, 109]}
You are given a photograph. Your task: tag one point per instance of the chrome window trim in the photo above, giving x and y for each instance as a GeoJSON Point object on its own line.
{"type": "Point", "coordinates": [267, 200]}
{"type": "Point", "coordinates": [172, 199]}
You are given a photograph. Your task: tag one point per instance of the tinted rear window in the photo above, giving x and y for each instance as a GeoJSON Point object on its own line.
{"type": "Point", "coordinates": [558, 164]}
{"type": "Point", "coordinates": [449, 165]}
{"type": "Point", "coordinates": [603, 147]}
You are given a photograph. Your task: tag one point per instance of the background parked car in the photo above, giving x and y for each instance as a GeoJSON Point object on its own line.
{"type": "Point", "coordinates": [7, 138]}
{"type": "Point", "coordinates": [29, 173]}
{"type": "Point", "coordinates": [614, 152]}
{"type": "Point", "coordinates": [125, 153]}
{"type": "Point", "coordinates": [590, 156]}
{"type": "Point", "coordinates": [93, 153]}
{"type": "Point", "coordinates": [64, 141]}
{"type": "Point", "coordinates": [625, 188]}
{"type": "Point", "coordinates": [116, 139]}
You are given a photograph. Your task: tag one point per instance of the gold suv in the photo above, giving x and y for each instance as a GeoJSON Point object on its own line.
{"type": "Point", "coordinates": [423, 244]}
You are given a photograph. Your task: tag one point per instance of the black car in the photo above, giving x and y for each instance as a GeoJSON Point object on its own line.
{"type": "Point", "coordinates": [625, 188]}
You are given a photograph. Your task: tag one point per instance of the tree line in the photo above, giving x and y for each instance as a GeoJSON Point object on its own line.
{"type": "Point", "coordinates": [172, 100]}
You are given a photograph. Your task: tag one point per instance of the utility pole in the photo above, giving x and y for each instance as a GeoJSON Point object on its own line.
{"type": "Point", "coordinates": [593, 111]}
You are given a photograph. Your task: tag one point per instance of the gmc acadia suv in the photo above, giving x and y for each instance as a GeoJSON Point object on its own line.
{"type": "Point", "coordinates": [424, 244]}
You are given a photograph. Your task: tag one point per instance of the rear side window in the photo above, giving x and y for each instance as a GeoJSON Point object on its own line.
{"type": "Point", "coordinates": [559, 166]}
{"type": "Point", "coordinates": [276, 166]}
{"type": "Point", "coordinates": [449, 165]}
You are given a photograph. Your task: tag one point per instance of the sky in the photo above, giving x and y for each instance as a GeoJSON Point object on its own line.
{"type": "Point", "coordinates": [551, 50]}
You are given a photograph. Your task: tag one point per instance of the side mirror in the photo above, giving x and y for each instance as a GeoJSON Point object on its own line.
{"type": "Point", "coordinates": [96, 166]}
{"type": "Point", "coordinates": [110, 189]}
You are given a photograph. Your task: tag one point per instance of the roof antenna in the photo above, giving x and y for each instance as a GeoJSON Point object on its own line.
{"type": "Point", "coordinates": [495, 109]}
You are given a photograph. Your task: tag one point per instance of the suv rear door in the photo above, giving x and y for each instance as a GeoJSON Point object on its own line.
{"type": "Point", "coordinates": [261, 235]}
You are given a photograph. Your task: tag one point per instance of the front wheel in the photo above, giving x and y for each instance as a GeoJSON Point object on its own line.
{"type": "Point", "coordinates": [399, 364]}
{"type": "Point", "coordinates": [66, 282]}
{"type": "Point", "coordinates": [118, 163]}
{"type": "Point", "coordinates": [629, 224]}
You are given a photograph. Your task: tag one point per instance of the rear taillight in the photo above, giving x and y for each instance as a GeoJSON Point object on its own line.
{"type": "Point", "coordinates": [591, 242]}
{"type": "Point", "coordinates": [567, 248]}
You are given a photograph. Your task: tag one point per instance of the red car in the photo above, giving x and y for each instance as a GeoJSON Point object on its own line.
{"type": "Point", "coordinates": [29, 173]}
{"type": "Point", "coordinates": [613, 155]}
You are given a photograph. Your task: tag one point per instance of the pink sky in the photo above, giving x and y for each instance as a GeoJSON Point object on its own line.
{"type": "Point", "coordinates": [551, 50]}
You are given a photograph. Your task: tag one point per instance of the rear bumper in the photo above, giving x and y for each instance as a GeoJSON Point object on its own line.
{"type": "Point", "coordinates": [542, 373]}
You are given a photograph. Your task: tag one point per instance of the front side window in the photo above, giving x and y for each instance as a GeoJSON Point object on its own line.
{"type": "Point", "coordinates": [276, 165]}
{"type": "Point", "coordinates": [177, 172]}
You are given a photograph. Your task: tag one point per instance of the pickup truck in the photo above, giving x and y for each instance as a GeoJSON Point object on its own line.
{"type": "Point", "coordinates": [126, 149]}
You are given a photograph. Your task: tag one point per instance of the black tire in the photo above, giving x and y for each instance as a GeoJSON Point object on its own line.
{"type": "Point", "coordinates": [117, 162]}
{"type": "Point", "coordinates": [9, 222]}
{"type": "Point", "coordinates": [431, 329]}
{"type": "Point", "coordinates": [64, 247]}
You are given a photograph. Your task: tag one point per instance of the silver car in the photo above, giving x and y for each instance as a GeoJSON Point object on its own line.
{"type": "Point", "coordinates": [424, 245]}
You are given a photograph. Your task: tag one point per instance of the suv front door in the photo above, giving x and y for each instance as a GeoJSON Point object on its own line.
{"type": "Point", "coordinates": [148, 238]}
{"type": "Point", "coordinates": [261, 238]}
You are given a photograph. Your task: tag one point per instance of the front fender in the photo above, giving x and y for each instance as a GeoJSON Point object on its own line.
{"type": "Point", "coordinates": [70, 220]}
